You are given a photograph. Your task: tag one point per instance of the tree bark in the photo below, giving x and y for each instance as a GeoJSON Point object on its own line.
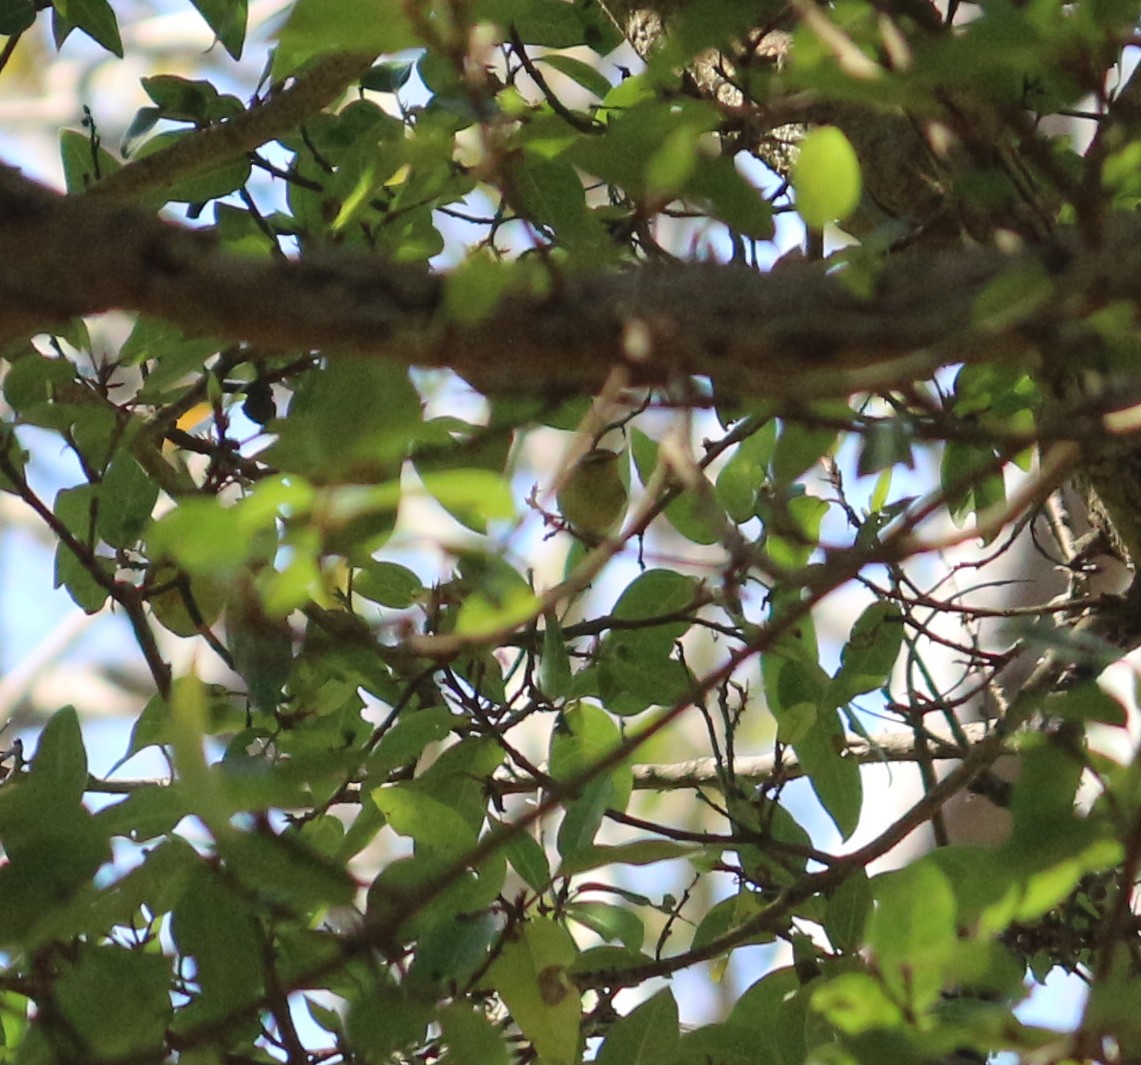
{"type": "Point", "coordinates": [794, 333]}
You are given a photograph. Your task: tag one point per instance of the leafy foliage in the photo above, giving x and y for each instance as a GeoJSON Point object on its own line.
{"type": "Point", "coordinates": [413, 809]}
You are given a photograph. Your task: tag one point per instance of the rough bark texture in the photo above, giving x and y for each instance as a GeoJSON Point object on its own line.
{"type": "Point", "coordinates": [63, 255]}
{"type": "Point", "coordinates": [793, 333]}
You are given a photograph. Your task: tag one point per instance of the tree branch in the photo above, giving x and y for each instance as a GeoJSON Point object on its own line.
{"type": "Point", "coordinates": [207, 148]}
{"type": "Point", "coordinates": [885, 747]}
{"type": "Point", "coordinates": [792, 333]}
{"type": "Point", "coordinates": [881, 749]}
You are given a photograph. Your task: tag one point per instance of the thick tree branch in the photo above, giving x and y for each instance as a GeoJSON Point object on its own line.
{"type": "Point", "coordinates": [792, 333]}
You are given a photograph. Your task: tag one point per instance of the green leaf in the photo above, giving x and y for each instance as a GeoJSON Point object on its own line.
{"type": "Point", "coordinates": [727, 1044]}
{"type": "Point", "coordinates": [32, 380]}
{"type": "Point", "coordinates": [481, 494]}
{"type": "Point", "coordinates": [761, 1004]}
{"type": "Point", "coordinates": [640, 126]}
{"type": "Point", "coordinates": [869, 655]}
{"type": "Point", "coordinates": [647, 1035]}
{"type": "Point", "coordinates": [59, 767]}
{"type": "Point", "coordinates": [94, 432]}
{"type": "Point", "coordinates": [227, 18]}
{"type": "Point", "coordinates": [15, 457]}
{"type": "Point", "coordinates": [389, 77]}
{"type": "Point", "coordinates": [500, 598]}
{"type": "Point", "coordinates": [116, 1002]}
{"type": "Point", "coordinates": [857, 1002]}
{"type": "Point", "coordinates": [694, 513]}
{"type": "Point", "coordinates": [327, 1019]}
{"type": "Point", "coordinates": [836, 780]}
{"type": "Point", "coordinates": [261, 646]}
{"type": "Point", "coordinates": [730, 198]}
{"type": "Point", "coordinates": [800, 447]}
{"type": "Point", "coordinates": [583, 73]}
{"type": "Point", "coordinates": [1043, 803]}
{"type": "Point", "coordinates": [551, 194]}
{"type": "Point", "coordinates": [826, 177]}
{"type": "Point", "coordinates": [584, 735]}
{"type": "Point", "coordinates": [469, 1037]}
{"type": "Point", "coordinates": [636, 671]}
{"type": "Point", "coordinates": [324, 27]}
{"type": "Point", "coordinates": [1047, 875]}
{"type": "Point", "coordinates": [190, 100]}
{"type": "Point", "coordinates": [127, 495]}
{"type": "Point", "coordinates": [175, 353]}
{"type": "Point", "coordinates": [47, 868]}
{"type": "Point", "coordinates": [554, 665]}
{"type": "Point", "coordinates": [154, 726]}
{"type": "Point", "coordinates": [211, 924]}
{"type": "Point", "coordinates": [473, 290]}
{"type": "Point", "coordinates": [798, 520]}
{"type": "Point", "coordinates": [456, 778]}
{"type": "Point", "coordinates": [971, 478]}
{"type": "Point", "coordinates": [543, 23]}
{"type": "Point", "coordinates": [531, 976]}
{"type": "Point", "coordinates": [95, 17]}
{"type": "Point", "coordinates": [981, 879]}
{"type": "Point", "coordinates": [609, 922]}
{"type": "Point", "coordinates": [913, 932]}
{"type": "Point", "coordinates": [16, 16]}
{"type": "Point", "coordinates": [797, 694]}
{"type": "Point", "coordinates": [713, 23]}
{"type": "Point", "coordinates": [156, 884]}
{"type": "Point", "coordinates": [670, 167]}
{"type": "Point", "coordinates": [148, 812]}
{"type": "Point", "coordinates": [386, 1020]}
{"type": "Point", "coordinates": [886, 442]}
{"type": "Point", "coordinates": [184, 604]}
{"type": "Point", "coordinates": [396, 897]}
{"type": "Point", "coordinates": [84, 161]}
{"type": "Point", "coordinates": [848, 910]}
{"type": "Point", "coordinates": [527, 857]}
{"type": "Point", "coordinates": [746, 472]}
{"type": "Point", "coordinates": [449, 956]}
{"type": "Point", "coordinates": [406, 740]}
{"type": "Point", "coordinates": [361, 832]}
{"type": "Point", "coordinates": [251, 782]}
{"type": "Point", "coordinates": [464, 468]}
{"type": "Point", "coordinates": [146, 118]}
{"type": "Point", "coordinates": [596, 960]}
{"type": "Point", "coordinates": [655, 593]}
{"type": "Point", "coordinates": [431, 823]}
{"type": "Point", "coordinates": [777, 1009]}
{"type": "Point", "coordinates": [284, 871]}
{"type": "Point", "coordinates": [583, 816]}
{"type": "Point", "coordinates": [727, 916]}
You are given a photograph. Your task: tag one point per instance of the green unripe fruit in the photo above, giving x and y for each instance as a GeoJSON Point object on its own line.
{"type": "Point", "coordinates": [593, 499]}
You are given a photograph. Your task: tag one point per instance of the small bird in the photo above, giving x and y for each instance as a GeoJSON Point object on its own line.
{"type": "Point", "coordinates": [593, 498]}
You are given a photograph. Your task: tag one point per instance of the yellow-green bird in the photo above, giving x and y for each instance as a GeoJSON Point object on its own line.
{"type": "Point", "coordinates": [593, 498]}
